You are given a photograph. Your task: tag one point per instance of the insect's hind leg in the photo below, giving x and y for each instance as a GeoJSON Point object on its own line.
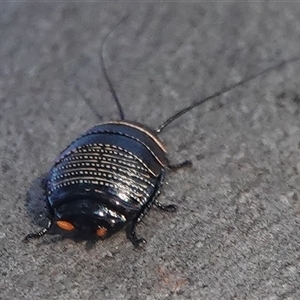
{"type": "Point", "coordinates": [168, 208]}
{"type": "Point", "coordinates": [184, 164]}
{"type": "Point", "coordinates": [130, 228]}
{"type": "Point", "coordinates": [172, 207]}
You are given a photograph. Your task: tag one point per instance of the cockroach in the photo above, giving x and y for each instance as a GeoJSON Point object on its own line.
{"type": "Point", "coordinates": [108, 178]}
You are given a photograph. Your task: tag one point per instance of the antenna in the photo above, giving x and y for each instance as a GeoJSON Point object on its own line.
{"type": "Point", "coordinates": [223, 91]}
{"type": "Point", "coordinates": [104, 70]}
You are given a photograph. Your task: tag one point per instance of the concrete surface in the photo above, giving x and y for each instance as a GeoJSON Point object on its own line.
{"type": "Point", "coordinates": [236, 234]}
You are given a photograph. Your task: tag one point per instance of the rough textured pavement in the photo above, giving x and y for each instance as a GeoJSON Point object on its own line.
{"type": "Point", "coordinates": [236, 234]}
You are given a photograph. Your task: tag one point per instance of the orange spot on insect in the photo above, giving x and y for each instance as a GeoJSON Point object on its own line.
{"type": "Point", "coordinates": [65, 225]}
{"type": "Point", "coordinates": [101, 231]}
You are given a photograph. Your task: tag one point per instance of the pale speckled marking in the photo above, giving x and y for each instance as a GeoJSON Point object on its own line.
{"type": "Point", "coordinates": [95, 164]}
{"type": "Point", "coordinates": [103, 172]}
{"type": "Point", "coordinates": [99, 170]}
{"type": "Point", "coordinates": [107, 150]}
{"type": "Point", "coordinates": [131, 169]}
{"type": "Point", "coordinates": [114, 182]}
{"type": "Point", "coordinates": [139, 197]}
{"type": "Point", "coordinates": [97, 175]}
{"type": "Point", "coordinates": [113, 164]}
{"type": "Point", "coordinates": [95, 159]}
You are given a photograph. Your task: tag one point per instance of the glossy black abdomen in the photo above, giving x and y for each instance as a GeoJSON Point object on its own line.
{"type": "Point", "coordinates": [119, 163]}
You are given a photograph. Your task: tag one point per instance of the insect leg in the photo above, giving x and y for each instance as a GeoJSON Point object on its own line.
{"type": "Point", "coordinates": [184, 164]}
{"type": "Point", "coordinates": [39, 234]}
{"type": "Point", "coordinates": [167, 207]}
{"type": "Point", "coordinates": [172, 207]}
{"type": "Point", "coordinates": [131, 234]}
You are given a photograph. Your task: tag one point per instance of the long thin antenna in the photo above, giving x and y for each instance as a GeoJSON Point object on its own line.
{"type": "Point", "coordinates": [104, 70]}
{"type": "Point", "coordinates": [223, 91]}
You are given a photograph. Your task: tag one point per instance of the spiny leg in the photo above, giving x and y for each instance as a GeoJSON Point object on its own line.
{"type": "Point", "coordinates": [154, 199]}
{"type": "Point", "coordinates": [184, 164]}
{"type": "Point", "coordinates": [131, 234]}
{"type": "Point", "coordinates": [168, 208]}
{"type": "Point", "coordinates": [130, 229]}
{"type": "Point", "coordinates": [172, 207]}
{"type": "Point", "coordinates": [39, 234]}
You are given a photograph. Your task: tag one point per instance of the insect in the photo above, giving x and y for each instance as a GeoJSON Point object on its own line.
{"type": "Point", "coordinates": [108, 178]}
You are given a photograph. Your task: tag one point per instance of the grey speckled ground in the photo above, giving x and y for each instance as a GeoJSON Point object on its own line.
{"type": "Point", "coordinates": [236, 234]}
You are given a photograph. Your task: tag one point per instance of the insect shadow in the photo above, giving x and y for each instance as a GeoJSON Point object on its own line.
{"type": "Point", "coordinates": [108, 178]}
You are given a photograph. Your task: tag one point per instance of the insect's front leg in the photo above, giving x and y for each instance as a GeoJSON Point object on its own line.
{"type": "Point", "coordinates": [131, 234]}
{"type": "Point", "coordinates": [38, 234]}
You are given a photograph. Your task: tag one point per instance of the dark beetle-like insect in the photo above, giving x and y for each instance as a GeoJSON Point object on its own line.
{"type": "Point", "coordinates": [107, 179]}
{"type": "Point", "coordinates": [110, 176]}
